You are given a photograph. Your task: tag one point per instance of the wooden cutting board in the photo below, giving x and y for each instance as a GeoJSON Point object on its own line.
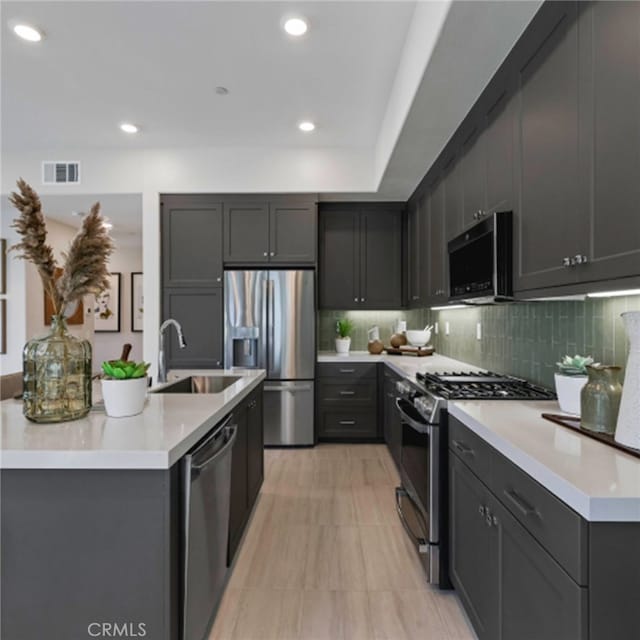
{"type": "Point", "coordinates": [410, 351]}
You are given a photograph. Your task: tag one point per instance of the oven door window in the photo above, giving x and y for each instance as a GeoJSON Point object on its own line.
{"type": "Point", "coordinates": [415, 464]}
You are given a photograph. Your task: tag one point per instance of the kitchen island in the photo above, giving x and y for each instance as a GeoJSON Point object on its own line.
{"type": "Point", "coordinates": [93, 512]}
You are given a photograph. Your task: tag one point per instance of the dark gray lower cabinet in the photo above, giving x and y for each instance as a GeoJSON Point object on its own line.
{"type": "Point", "coordinates": [347, 399]}
{"type": "Point", "coordinates": [525, 565]}
{"type": "Point", "coordinates": [247, 467]}
{"type": "Point", "coordinates": [83, 547]}
{"type": "Point", "coordinates": [473, 564]}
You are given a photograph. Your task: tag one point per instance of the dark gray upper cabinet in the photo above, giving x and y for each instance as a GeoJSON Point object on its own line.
{"type": "Point", "coordinates": [499, 154]}
{"type": "Point", "coordinates": [610, 138]}
{"type": "Point", "coordinates": [550, 225]}
{"type": "Point", "coordinates": [473, 167]}
{"type": "Point", "coordinates": [380, 257]}
{"type": "Point", "coordinates": [437, 254]}
{"type": "Point", "coordinates": [246, 232]}
{"type": "Point", "coordinates": [191, 240]}
{"type": "Point", "coordinates": [415, 233]}
{"type": "Point", "coordinates": [279, 229]}
{"type": "Point", "coordinates": [292, 233]}
{"type": "Point", "coordinates": [339, 286]}
{"type": "Point", "coordinates": [453, 199]}
{"type": "Point", "coordinates": [199, 311]}
{"type": "Point", "coordinates": [360, 263]}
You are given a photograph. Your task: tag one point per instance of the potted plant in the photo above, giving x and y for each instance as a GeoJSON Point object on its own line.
{"type": "Point", "coordinates": [570, 378]}
{"type": "Point", "coordinates": [344, 327]}
{"type": "Point", "coordinates": [124, 388]}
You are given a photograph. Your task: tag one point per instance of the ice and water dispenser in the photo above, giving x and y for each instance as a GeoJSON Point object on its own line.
{"type": "Point", "coordinates": [245, 347]}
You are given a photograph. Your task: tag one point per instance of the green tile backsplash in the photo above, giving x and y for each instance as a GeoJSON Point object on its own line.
{"type": "Point", "coordinates": [522, 339]}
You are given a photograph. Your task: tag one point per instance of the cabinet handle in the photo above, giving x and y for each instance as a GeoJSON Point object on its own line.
{"type": "Point", "coordinates": [218, 279]}
{"type": "Point", "coordinates": [347, 422]}
{"type": "Point", "coordinates": [481, 511]}
{"type": "Point", "coordinates": [273, 253]}
{"type": "Point", "coordinates": [566, 262]}
{"type": "Point", "coordinates": [362, 300]}
{"type": "Point", "coordinates": [463, 449]}
{"type": "Point", "coordinates": [347, 370]}
{"type": "Point", "coordinates": [579, 259]}
{"type": "Point", "coordinates": [494, 521]}
{"type": "Point", "coordinates": [521, 505]}
{"type": "Point", "coordinates": [265, 254]}
{"type": "Point", "coordinates": [355, 299]}
{"type": "Point", "coordinates": [391, 396]}
{"type": "Point", "coordinates": [415, 298]}
{"type": "Point", "coordinates": [347, 393]}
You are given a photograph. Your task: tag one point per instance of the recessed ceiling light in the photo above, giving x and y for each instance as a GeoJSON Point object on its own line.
{"type": "Point", "coordinates": [26, 32]}
{"type": "Point", "coordinates": [222, 91]}
{"type": "Point", "coordinates": [127, 127]}
{"type": "Point", "coordinates": [306, 126]}
{"type": "Point", "coordinates": [107, 225]}
{"type": "Point", "coordinates": [295, 26]}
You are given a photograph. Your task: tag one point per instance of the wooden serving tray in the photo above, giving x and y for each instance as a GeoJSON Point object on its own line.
{"type": "Point", "coordinates": [574, 424]}
{"type": "Point", "coordinates": [410, 351]}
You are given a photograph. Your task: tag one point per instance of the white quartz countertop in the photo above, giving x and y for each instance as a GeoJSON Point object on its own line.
{"type": "Point", "coordinates": [598, 481]}
{"type": "Point", "coordinates": [168, 427]}
{"type": "Point", "coordinates": [406, 366]}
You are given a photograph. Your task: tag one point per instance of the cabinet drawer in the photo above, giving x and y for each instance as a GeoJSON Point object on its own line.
{"type": "Point", "coordinates": [471, 449]}
{"type": "Point", "coordinates": [347, 370]}
{"type": "Point", "coordinates": [559, 529]}
{"type": "Point", "coordinates": [348, 392]}
{"type": "Point", "coordinates": [347, 424]}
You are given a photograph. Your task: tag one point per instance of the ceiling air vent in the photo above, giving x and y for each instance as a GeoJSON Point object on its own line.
{"type": "Point", "coordinates": [61, 173]}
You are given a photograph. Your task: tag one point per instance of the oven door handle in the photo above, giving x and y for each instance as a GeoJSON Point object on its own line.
{"type": "Point", "coordinates": [421, 542]}
{"type": "Point", "coordinates": [420, 427]}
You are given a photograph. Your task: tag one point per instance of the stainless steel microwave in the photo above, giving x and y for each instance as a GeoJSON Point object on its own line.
{"type": "Point", "coordinates": [481, 261]}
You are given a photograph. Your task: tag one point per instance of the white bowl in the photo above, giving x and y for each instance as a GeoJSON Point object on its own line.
{"type": "Point", "coordinates": [418, 338]}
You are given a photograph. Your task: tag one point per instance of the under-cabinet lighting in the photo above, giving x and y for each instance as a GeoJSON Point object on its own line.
{"type": "Point", "coordinates": [450, 306]}
{"type": "Point", "coordinates": [614, 294]}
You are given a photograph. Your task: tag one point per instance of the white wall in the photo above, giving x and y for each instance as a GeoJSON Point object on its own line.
{"type": "Point", "coordinates": [108, 346]}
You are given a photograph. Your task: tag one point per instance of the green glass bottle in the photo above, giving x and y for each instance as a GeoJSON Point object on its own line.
{"type": "Point", "coordinates": [600, 399]}
{"type": "Point", "coordinates": [57, 375]}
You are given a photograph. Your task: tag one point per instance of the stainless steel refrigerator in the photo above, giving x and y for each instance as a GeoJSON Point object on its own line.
{"type": "Point", "coordinates": [269, 319]}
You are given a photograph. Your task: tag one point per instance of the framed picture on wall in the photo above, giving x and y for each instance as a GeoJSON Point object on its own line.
{"type": "Point", "coordinates": [3, 265]}
{"type": "Point", "coordinates": [3, 326]}
{"type": "Point", "coordinates": [137, 302]}
{"type": "Point", "coordinates": [106, 312]}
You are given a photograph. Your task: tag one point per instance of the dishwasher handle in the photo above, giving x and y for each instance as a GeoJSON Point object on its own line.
{"type": "Point", "coordinates": [218, 443]}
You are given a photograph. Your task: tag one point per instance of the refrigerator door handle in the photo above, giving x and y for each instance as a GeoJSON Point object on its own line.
{"type": "Point", "coordinates": [264, 327]}
{"type": "Point", "coordinates": [298, 387]}
{"type": "Point", "coordinates": [271, 318]}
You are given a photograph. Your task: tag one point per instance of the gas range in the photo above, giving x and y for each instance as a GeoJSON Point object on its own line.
{"type": "Point", "coordinates": [436, 389]}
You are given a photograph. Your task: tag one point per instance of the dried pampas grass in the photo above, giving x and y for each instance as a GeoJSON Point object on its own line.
{"type": "Point", "coordinates": [85, 264]}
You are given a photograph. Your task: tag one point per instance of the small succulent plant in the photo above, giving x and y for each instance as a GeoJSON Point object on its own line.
{"type": "Point", "coordinates": [124, 369]}
{"type": "Point", "coordinates": [345, 327]}
{"type": "Point", "coordinates": [576, 366]}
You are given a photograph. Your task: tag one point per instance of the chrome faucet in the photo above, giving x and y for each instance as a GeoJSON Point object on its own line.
{"type": "Point", "coordinates": [162, 365]}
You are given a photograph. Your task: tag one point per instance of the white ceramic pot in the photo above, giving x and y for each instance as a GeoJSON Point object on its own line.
{"type": "Point", "coordinates": [418, 338]}
{"type": "Point", "coordinates": [342, 346]}
{"type": "Point", "coordinates": [568, 389]}
{"type": "Point", "coordinates": [124, 397]}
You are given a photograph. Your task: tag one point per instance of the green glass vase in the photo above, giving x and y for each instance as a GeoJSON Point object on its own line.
{"type": "Point", "coordinates": [57, 375]}
{"type": "Point", "coordinates": [600, 399]}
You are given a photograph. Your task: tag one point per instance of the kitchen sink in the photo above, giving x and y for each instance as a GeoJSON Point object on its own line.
{"type": "Point", "coordinates": [199, 384]}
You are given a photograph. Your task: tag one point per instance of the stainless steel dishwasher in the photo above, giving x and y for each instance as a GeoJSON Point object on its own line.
{"type": "Point", "coordinates": [207, 485]}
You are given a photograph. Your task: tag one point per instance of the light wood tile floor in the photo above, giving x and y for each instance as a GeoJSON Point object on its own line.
{"type": "Point", "coordinates": [325, 557]}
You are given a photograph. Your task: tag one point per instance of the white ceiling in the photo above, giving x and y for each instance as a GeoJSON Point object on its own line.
{"type": "Point", "coordinates": [158, 63]}
{"type": "Point", "coordinates": [386, 81]}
